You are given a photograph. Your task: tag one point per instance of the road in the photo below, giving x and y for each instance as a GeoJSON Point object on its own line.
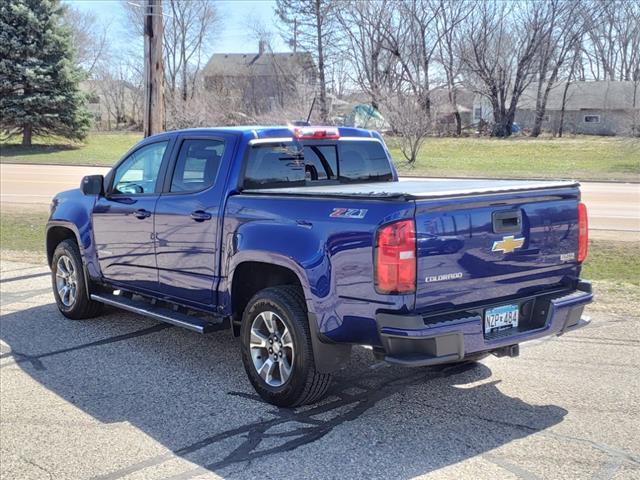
{"type": "Point", "coordinates": [614, 208]}
{"type": "Point", "coordinates": [123, 397]}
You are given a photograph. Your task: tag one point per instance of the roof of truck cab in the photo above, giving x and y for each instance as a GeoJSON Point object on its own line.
{"type": "Point", "coordinates": [262, 131]}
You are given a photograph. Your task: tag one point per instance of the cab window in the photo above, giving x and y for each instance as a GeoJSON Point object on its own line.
{"type": "Point", "coordinates": [197, 165]}
{"type": "Point", "coordinates": [291, 164]}
{"type": "Point", "coordinates": [138, 174]}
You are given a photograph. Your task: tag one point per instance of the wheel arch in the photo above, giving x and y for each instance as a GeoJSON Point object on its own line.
{"type": "Point", "coordinates": [250, 272]}
{"type": "Point", "coordinates": [56, 233]}
{"type": "Point", "coordinates": [264, 270]}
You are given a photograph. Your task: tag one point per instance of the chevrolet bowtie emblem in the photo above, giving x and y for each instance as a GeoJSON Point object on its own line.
{"type": "Point", "coordinates": [507, 244]}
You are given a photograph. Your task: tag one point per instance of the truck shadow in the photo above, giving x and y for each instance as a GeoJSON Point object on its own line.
{"type": "Point", "coordinates": [190, 394]}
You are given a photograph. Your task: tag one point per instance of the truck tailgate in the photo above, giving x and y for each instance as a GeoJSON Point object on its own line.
{"type": "Point", "coordinates": [491, 247]}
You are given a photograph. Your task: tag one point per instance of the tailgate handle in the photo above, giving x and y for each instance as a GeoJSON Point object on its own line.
{"type": "Point", "coordinates": [507, 222]}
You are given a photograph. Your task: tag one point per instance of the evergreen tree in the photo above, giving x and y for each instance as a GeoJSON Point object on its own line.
{"type": "Point", "coordinates": [39, 84]}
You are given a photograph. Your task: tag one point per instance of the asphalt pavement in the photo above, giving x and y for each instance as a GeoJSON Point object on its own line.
{"type": "Point", "coordinates": [614, 208]}
{"type": "Point", "coordinates": [124, 397]}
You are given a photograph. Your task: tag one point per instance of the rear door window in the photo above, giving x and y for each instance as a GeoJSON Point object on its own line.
{"type": "Point", "coordinates": [197, 165]}
{"type": "Point", "coordinates": [292, 164]}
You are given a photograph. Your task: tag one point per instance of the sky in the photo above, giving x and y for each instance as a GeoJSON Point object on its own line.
{"type": "Point", "coordinates": [233, 37]}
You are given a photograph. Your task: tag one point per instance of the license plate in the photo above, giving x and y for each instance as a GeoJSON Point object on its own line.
{"type": "Point", "coordinates": [500, 318]}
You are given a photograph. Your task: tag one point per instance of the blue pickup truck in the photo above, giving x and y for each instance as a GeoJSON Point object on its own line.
{"type": "Point", "coordinates": [304, 242]}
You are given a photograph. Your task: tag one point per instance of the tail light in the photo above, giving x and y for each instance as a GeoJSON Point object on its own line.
{"type": "Point", "coordinates": [395, 258]}
{"type": "Point", "coordinates": [583, 233]}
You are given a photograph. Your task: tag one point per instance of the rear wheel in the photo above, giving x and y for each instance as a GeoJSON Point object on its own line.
{"type": "Point", "coordinates": [276, 348]}
{"type": "Point", "coordinates": [69, 287]}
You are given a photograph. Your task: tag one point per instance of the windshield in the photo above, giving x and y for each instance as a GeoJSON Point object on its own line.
{"type": "Point", "coordinates": [294, 164]}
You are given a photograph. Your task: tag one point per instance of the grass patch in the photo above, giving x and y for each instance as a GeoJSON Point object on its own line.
{"type": "Point", "coordinates": [98, 149]}
{"type": "Point", "coordinates": [617, 262]}
{"type": "Point", "coordinates": [22, 231]}
{"type": "Point", "coordinates": [579, 157]}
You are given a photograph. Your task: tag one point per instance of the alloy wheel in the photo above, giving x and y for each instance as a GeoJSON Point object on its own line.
{"type": "Point", "coordinates": [271, 348]}
{"type": "Point", "coordinates": [66, 281]}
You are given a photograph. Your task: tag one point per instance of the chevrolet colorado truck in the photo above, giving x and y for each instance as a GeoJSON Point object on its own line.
{"type": "Point", "coordinates": [304, 242]}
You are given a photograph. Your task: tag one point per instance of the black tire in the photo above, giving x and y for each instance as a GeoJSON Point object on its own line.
{"type": "Point", "coordinates": [304, 385]}
{"type": "Point", "coordinates": [82, 306]}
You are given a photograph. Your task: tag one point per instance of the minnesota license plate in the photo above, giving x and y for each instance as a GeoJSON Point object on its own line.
{"type": "Point", "coordinates": [500, 318]}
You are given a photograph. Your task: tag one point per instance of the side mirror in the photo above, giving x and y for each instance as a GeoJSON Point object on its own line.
{"type": "Point", "coordinates": [92, 185]}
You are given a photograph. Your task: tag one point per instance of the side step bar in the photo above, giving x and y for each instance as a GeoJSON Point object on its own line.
{"type": "Point", "coordinates": [162, 314]}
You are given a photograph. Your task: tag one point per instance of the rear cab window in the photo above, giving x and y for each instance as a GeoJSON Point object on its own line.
{"type": "Point", "coordinates": [301, 163]}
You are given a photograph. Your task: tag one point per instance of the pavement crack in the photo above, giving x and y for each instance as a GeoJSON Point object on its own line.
{"type": "Point", "coordinates": [38, 466]}
{"type": "Point", "coordinates": [611, 451]}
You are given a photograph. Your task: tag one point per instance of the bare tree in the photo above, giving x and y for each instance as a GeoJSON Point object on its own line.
{"type": "Point", "coordinates": [188, 29]}
{"type": "Point", "coordinates": [118, 84]}
{"type": "Point", "coordinates": [310, 25]}
{"type": "Point", "coordinates": [612, 43]}
{"type": "Point", "coordinates": [501, 43]}
{"type": "Point", "coordinates": [575, 61]}
{"type": "Point", "coordinates": [135, 77]}
{"type": "Point", "coordinates": [260, 32]}
{"type": "Point", "coordinates": [365, 26]}
{"type": "Point", "coordinates": [421, 45]}
{"type": "Point", "coordinates": [450, 15]}
{"type": "Point", "coordinates": [562, 33]}
{"type": "Point", "coordinates": [88, 36]}
{"type": "Point", "coordinates": [405, 113]}
{"type": "Point", "coordinates": [412, 39]}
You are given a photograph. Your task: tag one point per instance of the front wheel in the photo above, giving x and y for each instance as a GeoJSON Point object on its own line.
{"type": "Point", "coordinates": [276, 348]}
{"type": "Point", "coordinates": [69, 288]}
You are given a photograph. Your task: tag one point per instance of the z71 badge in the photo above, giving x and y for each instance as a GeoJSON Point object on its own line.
{"type": "Point", "coordinates": [348, 213]}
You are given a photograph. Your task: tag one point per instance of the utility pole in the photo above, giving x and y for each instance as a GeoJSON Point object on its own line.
{"type": "Point", "coordinates": [153, 69]}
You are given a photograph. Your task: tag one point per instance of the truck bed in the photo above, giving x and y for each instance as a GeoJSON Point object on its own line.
{"type": "Point", "coordinates": [418, 189]}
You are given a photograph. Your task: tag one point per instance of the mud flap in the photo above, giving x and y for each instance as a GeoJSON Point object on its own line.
{"type": "Point", "coordinates": [328, 357]}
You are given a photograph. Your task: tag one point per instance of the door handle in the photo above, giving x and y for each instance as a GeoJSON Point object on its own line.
{"type": "Point", "coordinates": [142, 213]}
{"type": "Point", "coordinates": [200, 216]}
{"type": "Point", "coordinates": [507, 222]}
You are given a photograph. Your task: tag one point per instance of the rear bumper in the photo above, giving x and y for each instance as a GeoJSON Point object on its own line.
{"type": "Point", "coordinates": [411, 340]}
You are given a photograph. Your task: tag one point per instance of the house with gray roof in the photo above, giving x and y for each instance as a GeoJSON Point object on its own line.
{"type": "Point", "coordinates": [260, 81]}
{"type": "Point", "coordinates": [593, 108]}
